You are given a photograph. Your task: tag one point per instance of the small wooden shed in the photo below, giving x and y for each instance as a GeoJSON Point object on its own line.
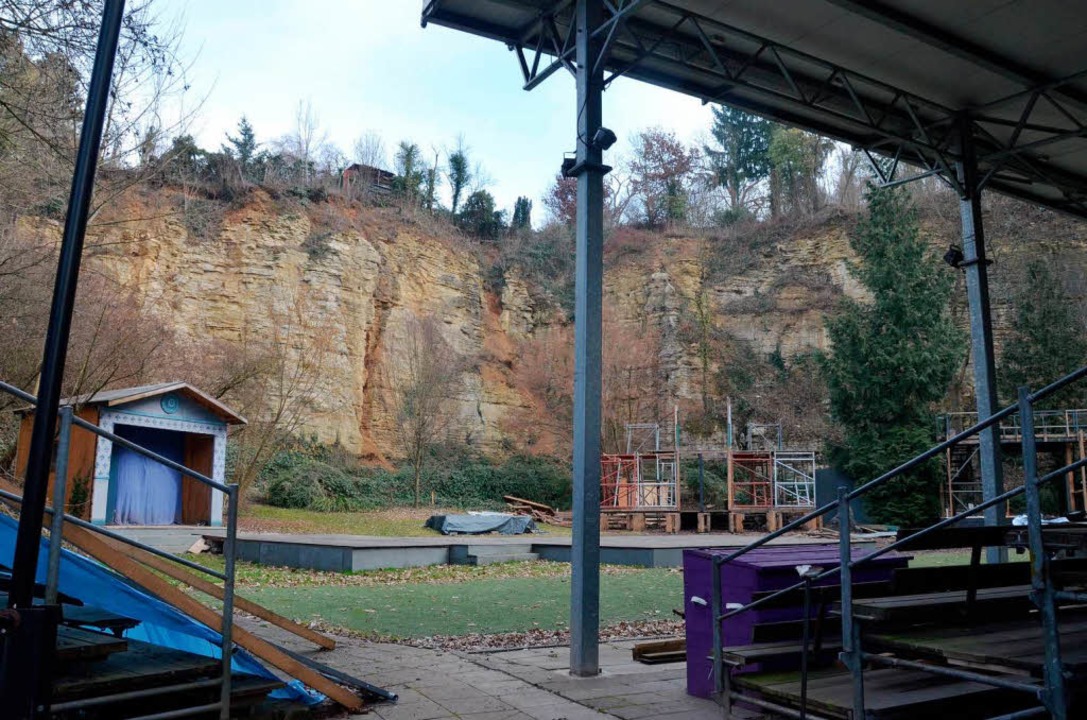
{"type": "Point", "coordinates": [112, 485]}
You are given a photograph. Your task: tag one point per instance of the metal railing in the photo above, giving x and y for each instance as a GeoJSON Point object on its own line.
{"type": "Point", "coordinates": [68, 419]}
{"type": "Point", "coordinates": [1048, 424]}
{"type": "Point", "coordinates": [1051, 694]}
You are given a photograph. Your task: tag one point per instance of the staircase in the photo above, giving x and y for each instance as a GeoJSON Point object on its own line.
{"type": "Point", "coordinates": [1001, 642]}
{"type": "Point", "coordinates": [99, 674]}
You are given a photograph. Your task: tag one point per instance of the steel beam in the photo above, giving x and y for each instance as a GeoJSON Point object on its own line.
{"type": "Point", "coordinates": [976, 268]}
{"type": "Point", "coordinates": [588, 297]}
{"type": "Point", "coordinates": [60, 315]}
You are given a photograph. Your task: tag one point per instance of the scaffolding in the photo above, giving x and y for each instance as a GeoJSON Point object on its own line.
{"type": "Point", "coordinates": [1060, 434]}
{"type": "Point", "coordinates": [645, 477]}
{"type": "Point", "coordinates": [774, 479]}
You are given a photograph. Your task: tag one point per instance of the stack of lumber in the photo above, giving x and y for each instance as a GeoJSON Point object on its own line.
{"type": "Point", "coordinates": [539, 512]}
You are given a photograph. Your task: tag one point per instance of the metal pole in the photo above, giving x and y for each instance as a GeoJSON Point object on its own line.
{"type": "Point", "coordinates": [804, 648]}
{"type": "Point", "coordinates": [60, 315]}
{"type": "Point", "coordinates": [976, 266]}
{"type": "Point", "coordinates": [701, 484]}
{"type": "Point", "coordinates": [588, 287]}
{"type": "Point", "coordinates": [851, 650]}
{"type": "Point", "coordinates": [229, 553]}
{"type": "Point", "coordinates": [60, 497]}
{"type": "Point", "coordinates": [716, 606]}
{"type": "Point", "coordinates": [1042, 589]}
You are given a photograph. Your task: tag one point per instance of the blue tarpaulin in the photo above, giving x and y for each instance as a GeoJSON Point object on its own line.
{"type": "Point", "coordinates": [483, 523]}
{"type": "Point", "coordinates": [160, 623]}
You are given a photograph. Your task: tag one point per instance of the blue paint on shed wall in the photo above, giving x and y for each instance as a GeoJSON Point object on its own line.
{"type": "Point", "coordinates": [187, 409]}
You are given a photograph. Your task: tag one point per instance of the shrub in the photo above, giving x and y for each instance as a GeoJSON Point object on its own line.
{"type": "Point", "coordinates": [306, 475]}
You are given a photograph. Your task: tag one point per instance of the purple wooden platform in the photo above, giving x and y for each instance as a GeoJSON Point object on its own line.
{"type": "Point", "coordinates": [763, 569]}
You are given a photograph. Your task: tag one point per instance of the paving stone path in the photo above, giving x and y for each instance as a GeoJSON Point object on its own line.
{"type": "Point", "coordinates": [531, 684]}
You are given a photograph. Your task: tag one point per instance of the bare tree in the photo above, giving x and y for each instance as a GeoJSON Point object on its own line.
{"type": "Point", "coordinates": [370, 150]}
{"type": "Point", "coordinates": [305, 142]}
{"type": "Point", "coordinates": [278, 380]}
{"type": "Point", "coordinates": [424, 381]}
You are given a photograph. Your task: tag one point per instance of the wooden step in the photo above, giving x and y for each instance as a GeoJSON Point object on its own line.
{"type": "Point", "coordinates": [992, 603]}
{"type": "Point", "coordinates": [79, 645]}
{"type": "Point", "coordinates": [889, 694]}
{"type": "Point", "coordinates": [1011, 646]}
{"type": "Point", "coordinates": [92, 617]}
{"type": "Point", "coordinates": [744, 655]}
{"type": "Point", "coordinates": [144, 666]}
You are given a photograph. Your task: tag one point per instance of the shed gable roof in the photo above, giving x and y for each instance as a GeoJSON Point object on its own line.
{"type": "Point", "coordinates": [121, 396]}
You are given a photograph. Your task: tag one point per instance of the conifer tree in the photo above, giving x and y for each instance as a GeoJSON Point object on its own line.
{"type": "Point", "coordinates": [1046, 339]}
{"type": "Point", "coordinates": [892, 359]}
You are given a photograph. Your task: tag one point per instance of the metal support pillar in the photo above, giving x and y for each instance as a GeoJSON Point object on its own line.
{"type": "Point", "coordinates": [1041, 580]}
{"type": "Point", "coordinates": [851, 655]}
{"type": "Point", "coordinates": [976, 266]}
{"type": "Point", "coordinates": [588, 290]}
{"type": "Point", "coordinates": [60, 502]}
{"type": "Point", "coordinates": [60, 315]}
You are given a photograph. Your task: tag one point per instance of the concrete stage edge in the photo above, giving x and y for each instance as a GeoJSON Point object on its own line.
{"type": "Point", "coordinates": [353, 553]}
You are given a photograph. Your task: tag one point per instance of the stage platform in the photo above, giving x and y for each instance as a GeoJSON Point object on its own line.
{"type": "Point", "coordinates": [352, 553]}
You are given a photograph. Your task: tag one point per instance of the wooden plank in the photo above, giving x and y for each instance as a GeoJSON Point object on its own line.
{"type": "Point", "coordinates": [195, 495]}
{"type": "Point", "coordinates": [209, 588]}
{"type": "Point", "coordinates": [86, 616]}
{"type": "Point", "coordinates": [1014, 645]}
{"type": "Point", "coordinates": [530, 503]}
{"type": "Point", "coordinates": [990, 603]}
{"type": "Point", "coordinates": [149, 581]}
{"type": "Point", "coordinates": [143, 665]}
{"type": "Point", "coordinates": [78, 644]}
{"type": "Point", "coordinates": [741, 655]}
{"type": "Point", "coordinates": [121, 563]}
{"type": "Point", "coordinates": [888, 693]}
{"type": "Point", "coordinates": [660, 651]}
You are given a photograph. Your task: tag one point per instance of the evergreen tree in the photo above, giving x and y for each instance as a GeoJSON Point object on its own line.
{"type": "Point", "coordinates": [892, 360]}
{"type": "Point", "coordinates": [459, 174]}
{"type": "Point", "coordinates": [243, 148]}
{"type": "Point", "coordinates": [741, 157]}
{"type": "Point", "coordinates": [796, 159]}
{"type": "Point", "coordinates": [1046, 340]}
{"type": "Point", "coordinates": [522, 214]}
{"type": "Point", "coordinates": [409, 178]}
{"type": "Point", "coordinates": [479, 217]}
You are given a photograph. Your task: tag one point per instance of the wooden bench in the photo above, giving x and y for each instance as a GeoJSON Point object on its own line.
{"type": "Point", "coordinates": [988, 604]}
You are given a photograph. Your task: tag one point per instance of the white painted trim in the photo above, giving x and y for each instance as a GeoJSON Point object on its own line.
{"type": "Point", "coordinates": [110, 419]}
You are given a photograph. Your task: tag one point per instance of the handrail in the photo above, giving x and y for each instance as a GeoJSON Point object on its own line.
{"type": "Point", "coordinates": [229, 546]}
{"type": "Point", "coordinates": [852, 648]}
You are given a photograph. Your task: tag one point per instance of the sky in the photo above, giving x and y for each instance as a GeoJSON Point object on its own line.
{"type": "Point", "coordinates": [368, 66]}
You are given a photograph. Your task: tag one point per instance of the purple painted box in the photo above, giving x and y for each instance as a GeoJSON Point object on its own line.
{"type": "Point", "coordinates": [766, 568]}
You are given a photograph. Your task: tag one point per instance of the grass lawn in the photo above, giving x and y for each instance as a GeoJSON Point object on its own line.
{"type": "Point", "coordinates": [485, 605]}
{"type": "Point", "coordinates": [394, 522]}
{"type": "Point", "coordinates": [941, 558]}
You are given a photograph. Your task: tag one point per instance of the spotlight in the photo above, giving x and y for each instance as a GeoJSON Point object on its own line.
{"type": "Point", "coordinates": [568, 165]}
{"type": "Point", "coordinates": [954, 256]}
{"type": "Point", "coordinates": [603, 139]}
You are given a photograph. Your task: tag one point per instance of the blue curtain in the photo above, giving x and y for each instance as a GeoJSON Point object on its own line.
{"type": "Point", "coordinates": [148, 492]}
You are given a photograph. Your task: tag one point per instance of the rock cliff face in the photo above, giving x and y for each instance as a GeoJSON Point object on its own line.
{"type": "Point", "coordinates": [342, 296]}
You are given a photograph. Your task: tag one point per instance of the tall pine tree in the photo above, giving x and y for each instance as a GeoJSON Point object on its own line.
{"type": "Point", "coordinates": [892, 359]}
{"type": "Point", "coordinates": [741, 156]}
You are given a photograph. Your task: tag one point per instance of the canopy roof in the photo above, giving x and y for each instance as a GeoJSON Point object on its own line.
{"type": "Point", "coordinates": [906, 82]}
